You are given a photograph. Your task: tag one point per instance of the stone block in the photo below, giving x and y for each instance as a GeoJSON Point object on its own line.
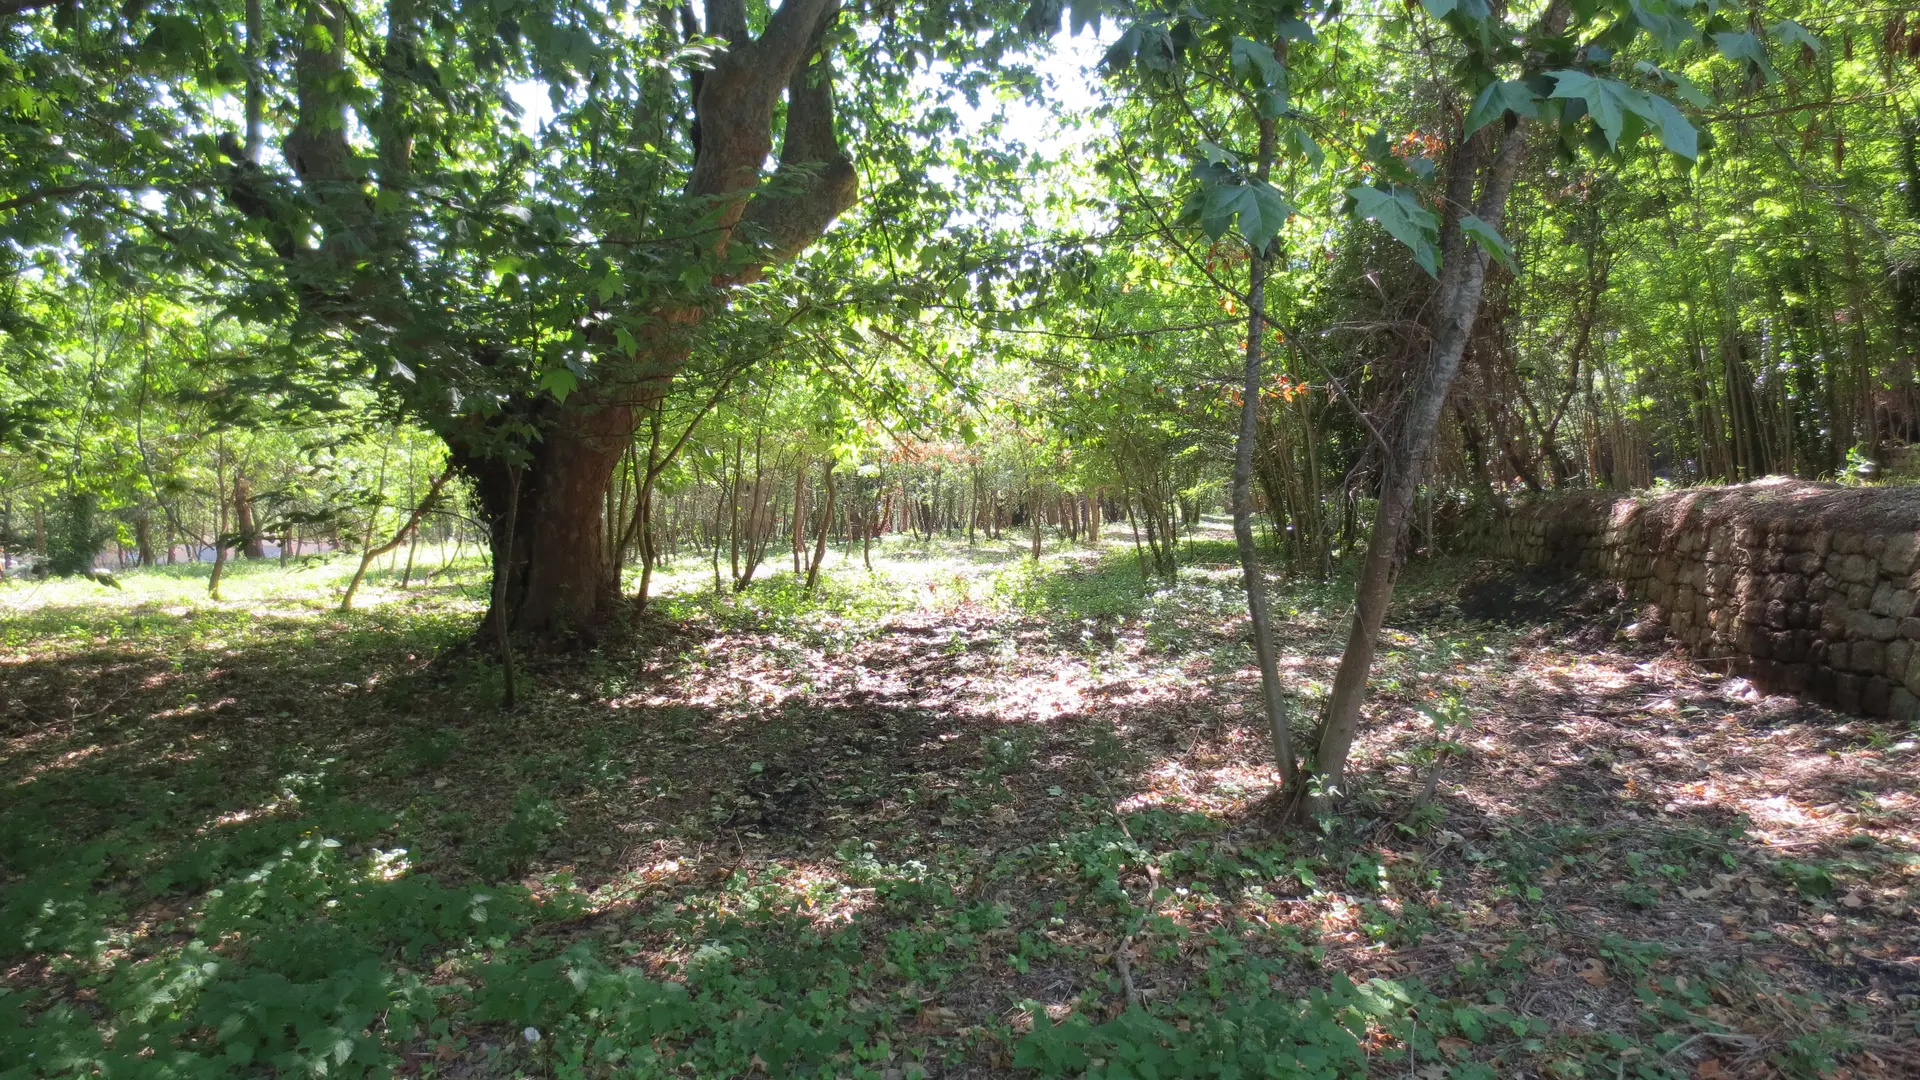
{"type": "Point", "coordinates": [1901, 555]}
{"type": "Point", "coordinates": [1776, 614]}
{"type": "Point", "coordinates": [1876, 696]}
{"type": "Point", "coordinates": [1822, 683]}
{"type": "Point", "coordinates": [1847, 691]}
{"type": "Point", "coordinates": [1867, 657]}
{"type": "Point", "coordinates": [1855, 569]}
{"type": "Point", "coordinates": [1873, 545]}
{"type": "Point", "coordinates": [1820, 541]}
{"type": "Point", "coordinates": [1839, 656]}
{"type": "Point", "coordinates": [1782, 646]}
{"type": "Point", "coordinates": [1786, 587]}
{"type": "Point", "coordinates": [1796, 678]}
{"type": "Point", "coordinates": [1803, 563]}
{"type": "Point", "coordinates": [1899, 652]}
{"type": "Point", "coordinates": [1904, 706]}
{"type": "Point", "coordinates": [1846, 543]}
{"type": "Point", "coordinates": [1910, 629]}
{"type": "Point", "coordinates": [1891, 601]}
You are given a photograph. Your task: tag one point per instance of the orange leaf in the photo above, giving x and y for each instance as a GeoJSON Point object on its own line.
{"type": "Point", "coordinates": [1710, 1070]}
{"type": "Point", "coordinates": [1594, 972]}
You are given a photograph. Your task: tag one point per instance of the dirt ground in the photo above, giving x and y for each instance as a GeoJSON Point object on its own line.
{"type": "Point", "coordinates": [961, 826]}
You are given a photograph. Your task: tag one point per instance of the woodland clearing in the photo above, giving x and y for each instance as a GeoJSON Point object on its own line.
{"type": "Point", "coordinates": [951, 818]}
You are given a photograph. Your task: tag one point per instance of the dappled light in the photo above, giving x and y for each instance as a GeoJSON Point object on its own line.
{"type": "Point", "coordinates": [963, 540]}
{"type": "Point", "coordinates": [915, 826]}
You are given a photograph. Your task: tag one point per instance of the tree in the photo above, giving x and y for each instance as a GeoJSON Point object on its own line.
{"type": "Point", "coordinates": [527, 295]}
{"type": "Point", "coordinates": [1229, 70]}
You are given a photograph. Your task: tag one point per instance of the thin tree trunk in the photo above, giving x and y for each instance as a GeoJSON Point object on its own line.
{"type": "Point", "coordinates": [412, 525]}
{"type": "Point", "coordinates": [248, 538]}
{"type": "Point", "coordinates": [820, 535]}
{"type": "Point", "coordinates": [1463, 278]}
{"type": "Point", "coordinates": [219, 521]}
{"type": "Point", "coordinates": [503, 636]}
{"type": "Point", "coordinates": [1272, 697]}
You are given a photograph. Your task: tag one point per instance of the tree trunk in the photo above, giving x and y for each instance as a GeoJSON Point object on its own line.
{"type": "Point", "coordinates": [1252, 578]}
{"type": "Point", "coordinates": [247, 537]}
{"type": "Point", "coordinates": [143, 537]}
{"type": "Point", "coordinates": [557, 584]}
{"type": "Point", "coordinates": [219, 524]}
{"type": "Point", "coordinates": [820, 535]}
{"type": "Point", "coordinates": [1462, 280]}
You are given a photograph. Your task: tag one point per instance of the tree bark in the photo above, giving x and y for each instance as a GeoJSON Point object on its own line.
{"type": "Point", "coordinates": [820, 535]}
{"type": "Point", "coordinates": [557, 585]}
{"type": "Point", "coordinates": [247, 537]}
{"type": "Point", "coordinates": [143, 537]}
{"type": "Point", "coordinates": [1462, 280]}
{"type": "Point", "coordinates": [1252, 577]}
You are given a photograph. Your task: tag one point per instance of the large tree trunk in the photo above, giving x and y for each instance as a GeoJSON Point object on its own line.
{"type": "Point", "coordinates": [556, 577]}
{"type": "Point", "coordinates": [557, 584]}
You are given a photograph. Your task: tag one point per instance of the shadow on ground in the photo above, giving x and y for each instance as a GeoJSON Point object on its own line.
{"type": "Point", "coordinates": [967, 838]}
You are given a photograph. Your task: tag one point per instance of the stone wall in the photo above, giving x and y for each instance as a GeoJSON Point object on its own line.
{"type": "Point", "coordinates": [1800, 587]}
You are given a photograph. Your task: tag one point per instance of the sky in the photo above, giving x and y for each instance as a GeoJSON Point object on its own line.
{"type": "Point", "coordinates": [1070, 71]}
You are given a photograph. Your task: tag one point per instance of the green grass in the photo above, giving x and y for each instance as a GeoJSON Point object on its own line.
{"type": "Point", "coordinates": [260, 838]}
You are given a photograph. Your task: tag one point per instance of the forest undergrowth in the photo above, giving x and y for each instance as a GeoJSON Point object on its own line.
{"type": "Point", "coordinates": [967, 816]}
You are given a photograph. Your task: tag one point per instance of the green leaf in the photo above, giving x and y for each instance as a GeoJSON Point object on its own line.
{"type": "Point", "coordinates": [1608, 101]}
{"type": "Point", "coordinates": [1614, 104]}
{"type": "Point", "coordinates": [1440, 9]}
{"type": "Point", "coordinates": [1257, 205]}
{"type": "Point", "coordinates": [1217, 154]}
{"type": "Point", "coordinates": [1498, 99]}
{"type": "Point", "coordinates": [559, 382]}
{"type": "Point", "coordinates": [1296, 30]}
{"type": "Point", "coordinates": [1671, 31]}
{"type": "Point", "coordinates": [1790, 33]}
{"type": "Point", "coordinates": [1404, 219]}
{"type": "Point", "coordinates": [1676, 132]}
{"type": "Point", "coordinates": [1085, 13]}
{"type": "Point", "coordinates": [1252, 57]}
{"type": "Point", "coordinates": [1120, 55]}
{"type": "Point", "coordinates": [1490, 241]}
{"type": "Point", "coordinates": [1742, 47]}
{"type": "Point", "coordinates": [1682, 85]}
{"type": "Point", "coordinates": [1303, 144]}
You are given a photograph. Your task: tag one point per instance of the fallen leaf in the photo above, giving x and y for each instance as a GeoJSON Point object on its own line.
{"type": "Point", "coordinates": [1594, 972]}
{"type": "Point", "coordinates": [1453, 1048]}
{"type": "Point", "coordinates": [937, 1018]}
{"type": "Point", "coordinates": [1710, 1070]}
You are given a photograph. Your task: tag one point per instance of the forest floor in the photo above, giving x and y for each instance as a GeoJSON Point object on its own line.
{"type": "Point", "coordinates": [967, 816]}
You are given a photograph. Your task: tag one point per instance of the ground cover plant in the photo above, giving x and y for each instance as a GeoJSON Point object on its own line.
{"type": "Point", "coordinates": [969, 815]}
{"type": "Point", "coordinates": [899, 538]}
